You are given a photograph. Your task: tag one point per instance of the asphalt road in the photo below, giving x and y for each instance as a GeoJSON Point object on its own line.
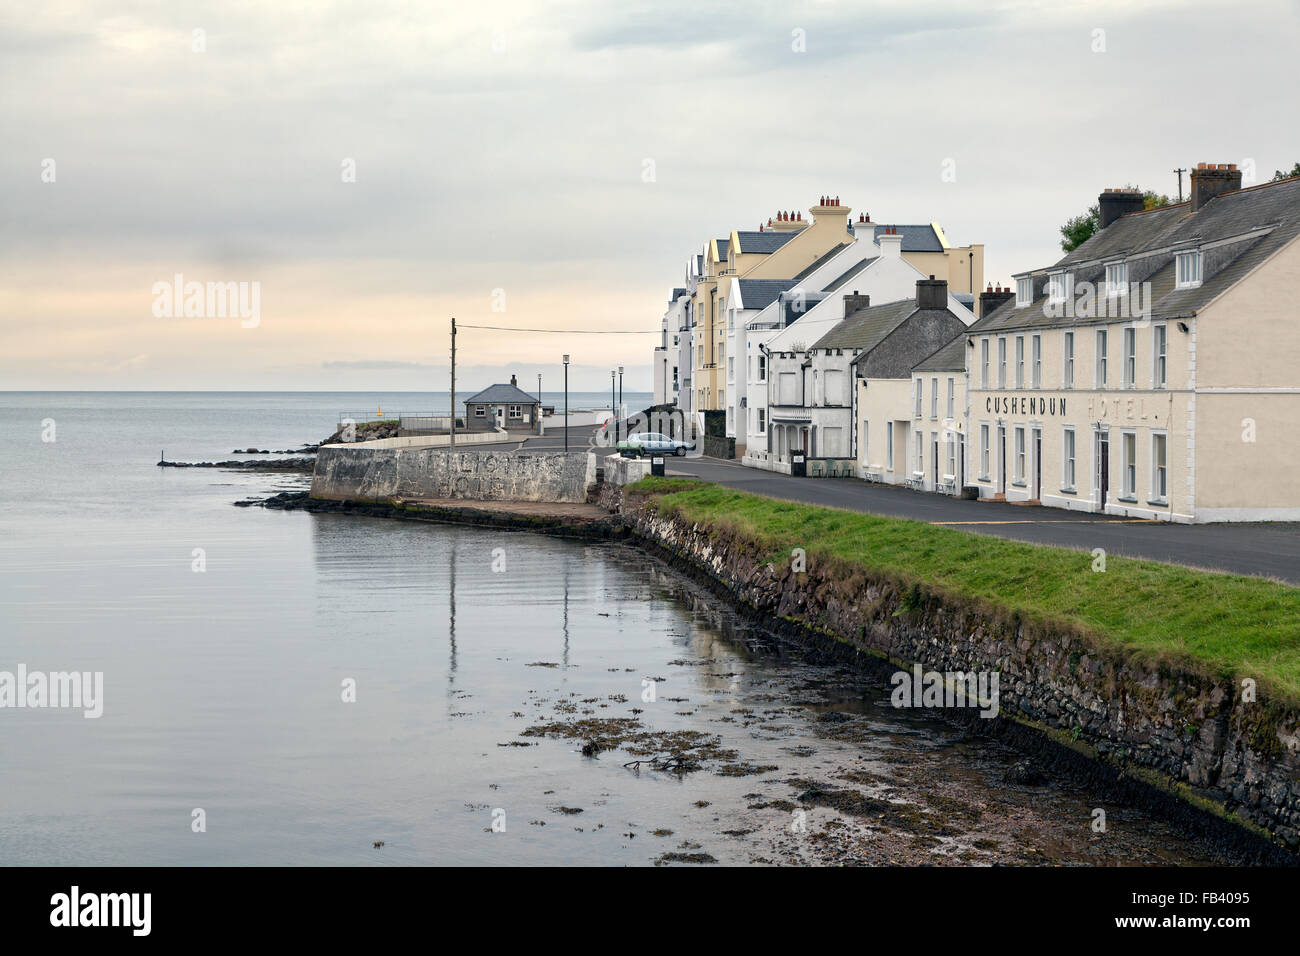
{"type": "Point", "coordinates": [1267, 550]}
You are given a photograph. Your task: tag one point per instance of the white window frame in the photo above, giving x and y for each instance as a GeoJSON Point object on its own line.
{"type": "Point", "coordinates": [1019, 454]}
{"type": "Point", "coordinates": [952, 396]}
{"type": "Point", "coordinates": [762, 420]}
{"type": "Point", "coordinates": [1035, 361]}
{"type": "Point", "coordinates": [1067, 360]}
{"type": "Point", "coordinates": [920, 400]}
{"type": "Point", "coordinates": [1188, 269]}
{"type": "Point", "coordinates": [1116, 279]}
{"type": "Point", "coordinates": [1159, 356]}
{"type": "Point", "coordinates": [889, 441]}
{"type": "Point", "coordinates": [1002, 361]}
{"type": "Point", "coordinates": [950, 471]}
{"type": "Point", "coordinates": [1130, 356]}
{"type": "Point", "coordinates": [480, 411]}
{"type": "Point", "coordinates": [984, 362]}
{"type": "Point", "coordinates": [514, 411]}
{"type": "Point", "coordinates": [866, 439]}
{"type": "Point", "coordinates": [985, 440]}
{"type": "Point", "coordinates": [1024, 291]}
{"type": "Point", "coordinates": [1102, 357]}
{"type": "Point", "coordinates": [1128, 464]}
{"type": "Point", "coordinates": [762, 367]}
{"type": "Point", "coordinates": [920, 452]}
{"type": "Point", "coordinates": [1069, 461]}
{"type": "Point", "coordinates": [934, 399]}
{"type": "Point", "coordinates": [1059, 286]}
{"type": "Point", "coordinates": [1020, 361]}
{"type": "Point", "coordinates": [1159, 472]}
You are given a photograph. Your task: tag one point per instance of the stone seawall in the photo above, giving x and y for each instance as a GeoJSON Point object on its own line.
{"type": "Point", "coordinates": [1231, 764]}
{"type": "Point", "coordinates": [358, 472]}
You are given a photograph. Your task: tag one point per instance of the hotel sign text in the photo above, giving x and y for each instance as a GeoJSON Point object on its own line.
{"type": "Point", "coordinates": [1033, 405]}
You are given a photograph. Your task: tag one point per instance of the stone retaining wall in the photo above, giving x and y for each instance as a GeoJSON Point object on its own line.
{"type": "Point", "coordinates": [1186, 733]}
{"type": "Point", "coordinates": [382, 473]}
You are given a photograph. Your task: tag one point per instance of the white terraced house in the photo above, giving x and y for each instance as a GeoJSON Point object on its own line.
{"type": "Point", "coordinates": [876, 269]}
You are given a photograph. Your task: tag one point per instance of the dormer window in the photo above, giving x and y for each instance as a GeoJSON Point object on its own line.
{"type": "Point", "coordinates": [1024, 291]}
{"type": "Point", "coordinates": [1117, 278]}
{"type": "Point", "coordinates": [1188, 270]}
{"type": "Point", "coordinates": [1058, 287]}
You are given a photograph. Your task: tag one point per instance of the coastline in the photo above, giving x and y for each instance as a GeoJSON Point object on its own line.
{"type": "Point", "coordinates": [795, 611]}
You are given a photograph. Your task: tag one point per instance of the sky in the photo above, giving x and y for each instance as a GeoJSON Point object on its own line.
{"type": "Point", "coordinates": [363, 171]}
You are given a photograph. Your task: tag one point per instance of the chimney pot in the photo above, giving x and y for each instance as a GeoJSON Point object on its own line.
{"type": "Point", "coordinates": [1212, 179]}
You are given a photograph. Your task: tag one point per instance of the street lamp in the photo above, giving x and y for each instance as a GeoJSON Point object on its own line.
{"type": "Point", "coordinates": [620, 390]}
{"type": "Point", "coordinates": [613, 404]}
{"type": "Point", "coordinates": [566, 404]}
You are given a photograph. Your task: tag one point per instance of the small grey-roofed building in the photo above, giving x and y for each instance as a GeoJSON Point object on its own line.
{"type": "Point", "coordinates": [505, 406]}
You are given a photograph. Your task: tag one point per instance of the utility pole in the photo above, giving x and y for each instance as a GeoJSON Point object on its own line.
{"type": "Point", "coordinates": [451, 445]}
{"type": "Point", "coordinates": [1180, 183]}
{"type": "Point", "coordinates": [566, 404]}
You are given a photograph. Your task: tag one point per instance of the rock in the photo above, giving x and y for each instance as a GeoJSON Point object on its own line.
{"type": "Point", "coordinates": [1024, 774]}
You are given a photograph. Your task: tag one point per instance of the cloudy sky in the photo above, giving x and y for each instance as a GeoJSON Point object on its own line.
{"type": "Point", "coordinates": [500, 154]}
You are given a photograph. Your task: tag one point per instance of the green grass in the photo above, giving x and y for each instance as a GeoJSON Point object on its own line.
{"type": "Point", "coordinates": [1234, 626]}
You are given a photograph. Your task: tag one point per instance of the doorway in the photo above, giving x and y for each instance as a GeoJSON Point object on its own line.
{"type": "Point", "coordinates": [1102, 478]}
{"type": "Point", "coordinates": [1038, 464]}
{"type": "Point", "coordinates": [1002, 460]}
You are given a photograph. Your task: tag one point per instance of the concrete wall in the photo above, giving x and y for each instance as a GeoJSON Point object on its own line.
{"type": "Point", "coordinates": [370, 473]}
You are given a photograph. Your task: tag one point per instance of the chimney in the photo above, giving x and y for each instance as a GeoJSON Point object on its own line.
{"type": "Point", "coordinates": [890, 242]}
{"type": "Point", "coordinates": [1209, 180]}
{"type": "Point", "coordinates": [514, 381]}
{"type": "Point", "coordinates": [855, 301]}
{"type": "Point", "coordinates": [992, 298]}
{"type": "Point", "coordinates": [1114, 203]}
{"type": "Point", "coordinates": [932, 293]}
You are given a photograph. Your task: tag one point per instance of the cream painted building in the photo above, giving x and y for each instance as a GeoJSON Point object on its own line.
{"type": "Point", "coordinates": [1153, 372]}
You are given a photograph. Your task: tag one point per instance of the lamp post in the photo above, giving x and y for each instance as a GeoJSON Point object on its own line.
{"type": "Point", "coordinates": [613, 404]}
{"type": "Point", "coordinates": [620, 391]}
{"type": "Point", "coordinates": [566, 404]}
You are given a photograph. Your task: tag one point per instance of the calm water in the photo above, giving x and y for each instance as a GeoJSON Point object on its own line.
{"type": "Point", "coordinates": [223, 687]}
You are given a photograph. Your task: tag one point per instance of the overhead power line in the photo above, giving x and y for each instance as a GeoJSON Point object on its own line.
{"type": "Point", "coordinates": [506, 328]}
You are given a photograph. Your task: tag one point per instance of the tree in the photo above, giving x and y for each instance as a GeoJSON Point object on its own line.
{"type": "Point", "coordinates": [1079, 229]}
{"type": "Point", "coordinates": [1280, 175]}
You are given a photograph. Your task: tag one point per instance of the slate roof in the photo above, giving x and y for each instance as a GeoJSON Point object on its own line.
{"type": "Point", "coordinates": [1246, 226]}
{"type": "Point", "coordinates": [867, 328]}
{"type": "Point", "coordinates": [762, 242]}
{"type": "Point", "coordinates": [502, 395]}
{"type": "Point", "coordinates": [760, 293]}
{"type": "Point", "coordinates": [950, 358]}
{"type": "Point", "coordinates": [916, 238]}
{"type": "Point", "coordinates": [821, 261]}
{"type": "Point", "coordinates": [848, 274]}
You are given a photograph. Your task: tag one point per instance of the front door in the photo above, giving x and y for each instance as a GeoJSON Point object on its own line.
{"type": "Point", "coordinates": [1103, 469]}
{"type": "Point", "coordinates": [1038, 464]}
{"type": "Point", "coordinates": [1002, 460]}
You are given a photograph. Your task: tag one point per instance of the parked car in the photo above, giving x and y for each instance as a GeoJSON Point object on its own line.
{"type": "Point", "coordinates": [652, 443]}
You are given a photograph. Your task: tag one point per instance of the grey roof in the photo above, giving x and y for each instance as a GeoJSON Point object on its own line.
{"type": "Point", "coordinates": [850, 273]}
{"type": "Point", "coordinates": [723, 246]}
{"type": "Point", "coordinates": [866, 328]}
{"type": "Point", "coordinates": [817, 264]}
{"type": "Point", "coordinates": [760, 293]}
{"type": "Point", "coordinates": [1247, 225]}
{"type": "Point", "coordinates": [501, 395]}
{"type": "Point", "coordinates": [677, 294]}
{"type": "Point", "coordinates": [763, 242]}
{"type": "Point", "coordinates": [949, 358]}
{"type": "Point", "coordinates": [916, 238]}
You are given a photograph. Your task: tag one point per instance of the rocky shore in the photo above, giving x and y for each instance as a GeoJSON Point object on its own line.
{"type": "Point", "coordinates": [1170, 742]}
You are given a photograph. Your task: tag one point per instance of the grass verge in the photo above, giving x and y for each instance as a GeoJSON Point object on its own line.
{"type": "Point", "coordinates": [1235, 626]}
